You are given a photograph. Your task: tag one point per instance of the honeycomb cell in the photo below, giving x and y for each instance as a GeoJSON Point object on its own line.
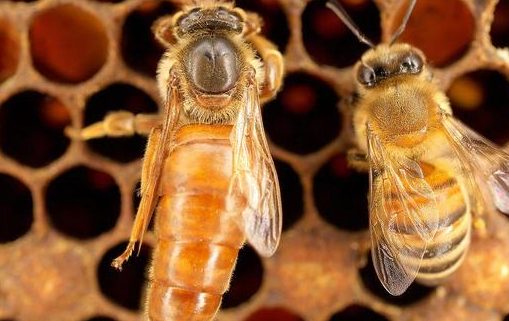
{"type": "Point", "coordinates": [16, 214]}
{"type": "Point", "coordinates": [247, 278]}
{"type": "Point", "coordinates": [443, 30]}
{"type": "Point", "coordinates": [506, 318]}
{"type": "Point", "coordinates": [68, 44]}
{"type": "Point", "coordinates": [100, 318]}
{"type": "Point", "coordinates": [341, 195]}
{"type": "Point", "coordinates": [291, 194]}
{"type": "Point", "coordinates": [83, 202]}
{"type": "Point", "coordinates": [124, 287]}
{"type": "Point", "coordinates": [357, 312]}
{"type": "Point", "coordinates": [118, 96]}
{"type": "Point", "coordinates": [481, 100]}
{"type": "Point", "coordinates": [9, 50]}
{"type": "Point", "coordinates": [33, 119]}
{"type": "Point", "coordinates": [500, 26]}
{"type": "Point", "coordinates": [329, 41]}
{"type": "Point", "coordinates": [304, 117]}
{"type": "Point", "coordinates": [415, 293]}
{"type": "Point", "coordinates": [275, 24]}
{"type": "Point", "coordinates": [140, 49]}
{"type": "Point", "coordinates": [273, 314]}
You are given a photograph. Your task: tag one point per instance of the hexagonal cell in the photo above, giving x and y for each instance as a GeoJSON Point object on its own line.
{"type": "Point", "coordinates": [125, 287]}
{"type": "Point", "coordinates": [275, 24]}
{"type": "Point", "coordinates": [273, 314]}
{"type": "Point", "coordinates": [357, 312]}
{"type": "Point", "coordinates": [247, 278]}
{"type": "Point", "coordinates": [443, 30]}
{"type": "Point", "coordinates": [100, 318]}
{"type": "Point", "coordinates": [341, 195]}
{"type": "Point", "coordinates": [139, 48]}
{"type": "Point", "coordinates": [291, 194]}
{"type": "Point", "coordinates": [16, 215]}
{"type": "Point", "coordinates": [33, 119]}
{"type": "Point", "coordinates": [481, 100]}
{"type": "Point", "coordinates": [304, 117]}
{"type": "Point", "coordinates": [9, 50]}
{"type": "Point", "coordinates": [415, 293]}
{"type": "Point", "coordinates": [329, 41]}
{"type": "Point", "coordinates": [83, 202]}
{"type": "Point", "coordinates": [68, 44]}
{"type": "Point", "coordinates": [118, 96]}
{"type": "Point", "coordinates": [499, 32]}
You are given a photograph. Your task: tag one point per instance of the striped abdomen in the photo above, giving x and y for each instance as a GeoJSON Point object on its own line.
{"type": "Point", "coordinates": [197, 240]}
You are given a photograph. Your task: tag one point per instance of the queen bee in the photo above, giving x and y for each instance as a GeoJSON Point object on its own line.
{"type": "Point", "coordinates": [425, 166]}
{"type": "Point", "coordinates": [207, 166]}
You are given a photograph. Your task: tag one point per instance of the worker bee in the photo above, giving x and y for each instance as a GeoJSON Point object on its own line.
{"type": "Point", "coordinates": [207, 166]}
{"type": "Point", "coordinates": [425, 166]}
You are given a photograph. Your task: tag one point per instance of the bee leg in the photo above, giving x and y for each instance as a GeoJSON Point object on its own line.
{"type": "Point", "coordinates": [144, 213]}
{"type": "Point", "coordinates": [117, 124]}
{"type": "Point", "coordinates": [273, 67]}
{"type": "Point", "coordinates": [358, 160]}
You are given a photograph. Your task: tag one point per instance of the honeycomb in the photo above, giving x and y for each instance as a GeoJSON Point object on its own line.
{"type": "Point", "coordinates": [66, 206]}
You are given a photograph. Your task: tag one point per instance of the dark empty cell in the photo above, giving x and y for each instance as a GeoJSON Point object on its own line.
{"type": "Point", "coordinates": [304, 117]}
{"type": "Point", "coordinates": [356, 312]}
{"type": "Point", "coordinates": [36, 120]}
{"type": "Point", "coordinates": [500, 26]}
{"type": "Point", "coordinates": [100, 318]}
{"type": "Point", "coordinates": [413, 294]}
{"type": "Point", "coordinates": [247, 278]}
{"type": "Point", "coordinates": [341, 195]}
{"type": "Point", "coordinates": [506, 318]}
{"type": "Point", "coordinates": [442, 29]}
{"type": "Point", "coordinates": [275, 24]}
{"type": "Point", "coordinates": [481, 100]}
{"type": "Point", "coordinates": [273, 314]}
{"type": "Point", "coordinates": [68, 44]}
{"type": "Point", "coordinates": [329, 41]}
{"type": "Point", "coordinates": [83, 202]}
{"type": "Point", "coordinates": [118, 97]}
{"type": "Point", "coordinates": [291, 194]}
{"type": "Point", "coordinates": [9, 50]}
{"type": "Point", "coordinates": [15, 209]}
{"type": "Point", "coordinates": [140, 50]}
{"type": "Point", "coordinates": [124, 287]}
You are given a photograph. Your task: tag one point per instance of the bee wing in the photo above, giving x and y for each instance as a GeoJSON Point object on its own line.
{"type": "Point", "coordinates": [483, 157]}
{"type": "Point", "coordinates": [403, 210]}
{"type": "Point", "coordinates": [254, 187]}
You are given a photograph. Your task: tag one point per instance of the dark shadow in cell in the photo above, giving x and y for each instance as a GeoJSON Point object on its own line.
{"type": "Point", "coordinates": [139, 48]}
{"type": "Point", "coordinates": [481, 100]}
{"type": "Point", "coordinates": [118, 96]}
{"type": "Point", "coordinates": [291, 194]}
{"type": "Point", "coordinates": [275, 24]}
{"type": "Point", "coordinates": [100, 318]}
{"type": "Point", "coordinates": [506, 318]}
{"type": "Point", "coordinates": [16, 209]}
{"type": "Point", "coordinates": [415, 293]}
{"type": "Point", "coordinates": [83, 203]}
{"type": "Point", "coordinates": [357, 312]}
{"type": "Point", "coordinates": [443, 30]}
{"type": "Point", "coordinates": [341, 195]}
{"type": "Point", "coordinates": [124, 287]}
{"type": "Point", "coordinates": [273, 314]}
{"type": "Point", "coordinates": [500, 26]}
{"type": "Point", "coordinates": [9, 50]}
{"type": "Point", "coordinates": [31, 128]}
{"type": "Point", "coordinates": [247, 278]}
{"type": "Point", "coordinates": [304, 117]}
{"type": "Point", "coordinates": [68, 44]}
{"type": "Point", "coordinates": [329, 41]}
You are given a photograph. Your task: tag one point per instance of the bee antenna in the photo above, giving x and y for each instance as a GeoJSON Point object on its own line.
{"type": "Point", "coordinates": [338, 9]}
{"type": "Point", "coordinates": [404, 22]}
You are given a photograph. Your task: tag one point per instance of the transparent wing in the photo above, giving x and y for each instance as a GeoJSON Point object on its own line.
{"type": "Point", "coordinates": [483, 157]}
{"type": "Point", "coordinates": [403, 216]}
{"type": "Point", "coordinates": [254, 187]}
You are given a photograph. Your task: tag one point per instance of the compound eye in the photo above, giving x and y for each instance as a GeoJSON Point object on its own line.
{"type": "Point", "coordinates": [412, 63]}
{"type": "Point", "coordinates": [366, 76]}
